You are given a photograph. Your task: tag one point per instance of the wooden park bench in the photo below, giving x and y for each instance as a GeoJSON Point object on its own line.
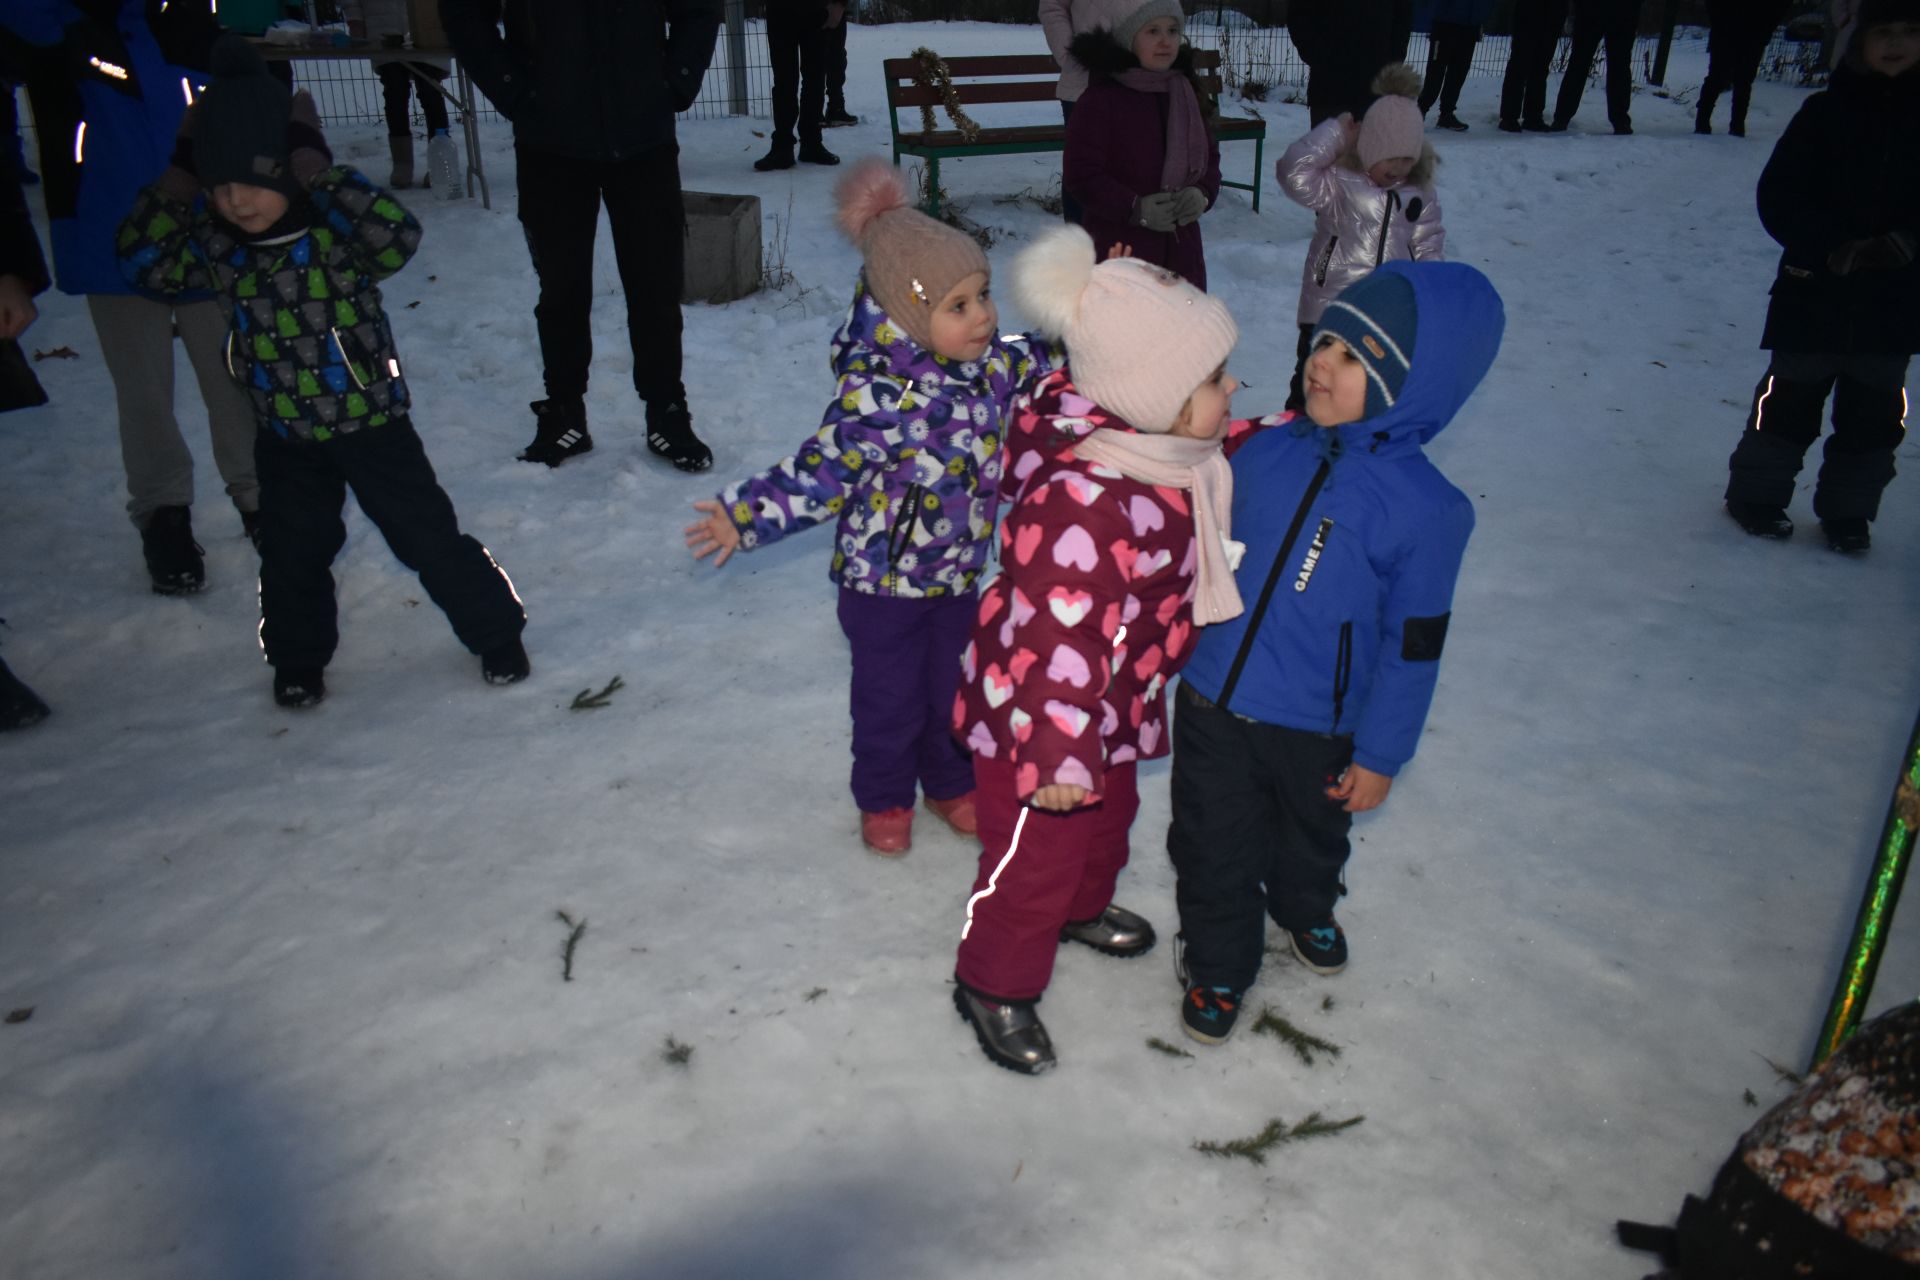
{"type": "Point", "coordinates": [1013, 78]}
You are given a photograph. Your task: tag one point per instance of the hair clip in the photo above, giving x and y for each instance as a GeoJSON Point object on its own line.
{"type": "Point", "coordinates": [920, 292]}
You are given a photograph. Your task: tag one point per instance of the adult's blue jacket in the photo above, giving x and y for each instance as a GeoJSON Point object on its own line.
{"type": "Point", "coordinates": [1354, 540]}
{"type": "Point", "coordinates": [109, 81]}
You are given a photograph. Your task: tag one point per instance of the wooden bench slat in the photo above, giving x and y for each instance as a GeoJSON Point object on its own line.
{"type": "Point", "coordinates": [914, 95]}
{"type": "Point", "coordinates": [1003, 64]}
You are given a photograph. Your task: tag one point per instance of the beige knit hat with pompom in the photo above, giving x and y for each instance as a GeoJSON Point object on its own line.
{"type": "Point", "coordinates": [912, 261]}
{"type": "Point", "coordinates": [1140, 339]}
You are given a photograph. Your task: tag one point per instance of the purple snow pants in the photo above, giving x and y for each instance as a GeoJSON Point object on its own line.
{"type": "Point", "coordinates": [906, 669]}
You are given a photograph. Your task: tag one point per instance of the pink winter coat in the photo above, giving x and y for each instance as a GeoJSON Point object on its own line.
{"type": "Point", "coordinates": [1357, 226]}
{"type": "Point", "coordinates": [1077, 638]}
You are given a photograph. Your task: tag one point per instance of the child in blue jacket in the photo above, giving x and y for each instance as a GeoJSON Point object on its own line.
{"type": "Point", "coordinates": [1297, 714]}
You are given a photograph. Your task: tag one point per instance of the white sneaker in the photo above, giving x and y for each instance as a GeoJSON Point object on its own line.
{"type": "Point", "coordinates": [443, 162]}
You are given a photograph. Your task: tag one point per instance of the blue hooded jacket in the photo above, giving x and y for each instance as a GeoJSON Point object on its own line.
{"type": "Point", "coordinates": [109, 84]}
{"type": "Point", "coordinates": [1354, 540]}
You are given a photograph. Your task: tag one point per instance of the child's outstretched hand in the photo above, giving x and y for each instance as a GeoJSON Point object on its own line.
{"type": "Point", "coordinates": [1059, 797]}
{"type": "Point", "coordinates": [713, 533]}
{"type": "Point", "coordinates": [1361, 788]}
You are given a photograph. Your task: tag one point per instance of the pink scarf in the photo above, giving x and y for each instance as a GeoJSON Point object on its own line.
{"type": "Point", "coordinates": [1185, 162]}
{"type": "Point", "coordinates": [1198, 466]}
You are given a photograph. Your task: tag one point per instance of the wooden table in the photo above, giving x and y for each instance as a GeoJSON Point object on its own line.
{"type": "Point", "coordinates": [461, 95]}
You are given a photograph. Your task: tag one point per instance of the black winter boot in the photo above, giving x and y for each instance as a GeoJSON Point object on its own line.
{"type": "Point", "coordinates": [299, 687]}
{"type": "Point", "coordinates": [175, 561]}
{"type": "Point", "coordinates": [813, 151]}
{"type": "Point", "coordinates": [19, 705]}
{"type": "Point", "coordinates": [506, 663]}
{"type": "Point", "coordinates": [1011, 1035]}
{"type": "Point", "coordinates": [670, 435]}
{"type": "Point", "coordinates": [1761, 520]}
{"type": "Point", "coordinates": [560, 432]}
{"type": "Point", "coordinates": [779, 156]}
{"type": "Point", "coordinates": [1848, 536]}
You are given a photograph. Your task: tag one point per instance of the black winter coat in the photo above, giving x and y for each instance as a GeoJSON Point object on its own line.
{"type": "Point", "coordinates": [590, 79]}
{"type": "Point", "coordinates": [1847, 168]}
{"type": "Point", "coordinates": [1346, 42]}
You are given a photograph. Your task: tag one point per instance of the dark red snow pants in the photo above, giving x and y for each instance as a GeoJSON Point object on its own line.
{"type": "Point", "coordinates": [1038, 870]}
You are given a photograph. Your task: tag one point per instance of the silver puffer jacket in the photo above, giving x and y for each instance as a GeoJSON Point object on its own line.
{"type": "Point", "coordinates": [1357, 226]}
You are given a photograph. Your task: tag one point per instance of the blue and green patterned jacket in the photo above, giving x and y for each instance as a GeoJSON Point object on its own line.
{"type": "Point", "coordinates": [309, 337]}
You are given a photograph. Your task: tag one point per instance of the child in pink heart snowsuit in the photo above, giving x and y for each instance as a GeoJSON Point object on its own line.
{"type": "Point", "coordinates": [1115, 550]}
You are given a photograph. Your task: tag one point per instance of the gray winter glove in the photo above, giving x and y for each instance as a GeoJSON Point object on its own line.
{"type": "Point", "coordinates": [1155, 211]}
{"type": "Point", "coordinates": [1188, 204]}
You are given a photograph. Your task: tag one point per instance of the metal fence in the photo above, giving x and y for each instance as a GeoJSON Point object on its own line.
{"type": "Point", "coordinates": [739, 81]}
{"type": "Point", "coordinates": [1263, 58]}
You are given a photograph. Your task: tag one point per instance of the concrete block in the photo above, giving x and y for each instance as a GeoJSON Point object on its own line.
{"type": "Point", "coordinates": [723, 246]}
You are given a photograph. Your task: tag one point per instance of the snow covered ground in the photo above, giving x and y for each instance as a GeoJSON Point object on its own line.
{"type": "Point", "coordinates": [296, 978]}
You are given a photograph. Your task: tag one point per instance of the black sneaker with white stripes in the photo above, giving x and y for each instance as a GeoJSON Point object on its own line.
{"type": "Point", "coordinates": [670, 435]}
{"type": "Point", "coordinates": [560, 432]}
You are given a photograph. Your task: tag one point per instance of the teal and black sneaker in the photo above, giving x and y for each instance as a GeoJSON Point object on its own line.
{"type": "Point", "coordinates": [1208, 1013]}
{"type": "Point", "coordinates": [1322, 948]}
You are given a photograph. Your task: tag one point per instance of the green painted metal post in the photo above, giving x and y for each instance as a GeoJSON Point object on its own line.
{"type": "Point", "coordinates": [1876, 908]}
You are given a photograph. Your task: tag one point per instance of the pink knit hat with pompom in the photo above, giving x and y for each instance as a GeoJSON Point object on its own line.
{"type": "Point", "coordinates": [912, 261]}
{"type": "Point", "coordinates": [1393, 128]}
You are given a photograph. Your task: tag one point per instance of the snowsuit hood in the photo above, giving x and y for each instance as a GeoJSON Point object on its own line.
{"type": "Point", "coordinates": [1102, 55]}
{"type": "Point", "coordinates": [1461, 321]}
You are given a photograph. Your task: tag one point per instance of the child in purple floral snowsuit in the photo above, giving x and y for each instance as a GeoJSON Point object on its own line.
{"type": "Point", "coordinates": [908, 460]}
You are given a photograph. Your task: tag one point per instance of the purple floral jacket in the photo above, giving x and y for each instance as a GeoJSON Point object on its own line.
{"type": "Point", "coordinates": [908, 457]}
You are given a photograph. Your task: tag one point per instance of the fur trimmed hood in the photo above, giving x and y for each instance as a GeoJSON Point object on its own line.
{"type": "Point", "coordinates": [1104, 58]}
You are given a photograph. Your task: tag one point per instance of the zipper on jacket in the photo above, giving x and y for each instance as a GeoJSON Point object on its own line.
{"type": "Point", "coordinates": [1342, 672]}
{"type": "Point", "coordinates": [1259, 614]}
{"type": "Point", "coordinates": [1326, 260]}
{"type": "Point", "coordinates": [345, 359]}
{"type": "Point", "coordinates": [900, 536]}
{"type": "Point", "coordinates": [1386, 224]}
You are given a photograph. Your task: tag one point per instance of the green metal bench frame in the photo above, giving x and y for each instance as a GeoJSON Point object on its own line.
{"type": "Point", "coordinates": [1023, 77]}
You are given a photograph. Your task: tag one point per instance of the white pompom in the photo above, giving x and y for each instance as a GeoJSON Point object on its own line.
{"type": "Point", "coordinates": [1049, 276]}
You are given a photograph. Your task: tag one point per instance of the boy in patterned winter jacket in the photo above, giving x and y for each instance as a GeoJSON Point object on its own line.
{"type": "Point", "coordinates": [908, 462]}
{"type": "Point", "coordinates": [293, 246]}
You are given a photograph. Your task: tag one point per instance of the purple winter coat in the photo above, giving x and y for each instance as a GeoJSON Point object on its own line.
{"type": "Point", "coordinates": [908, 457]}
{"type": "Point", "coordinates": [1116, 141]}
{"type": "Point", "coordinates": [1356, 225]}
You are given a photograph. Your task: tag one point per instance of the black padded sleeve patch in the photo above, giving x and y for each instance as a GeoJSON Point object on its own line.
{"type": "Point", "coordinates": [1423, 638]}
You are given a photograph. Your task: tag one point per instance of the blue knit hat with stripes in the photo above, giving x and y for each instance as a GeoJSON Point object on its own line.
{"type": "Point", "coordinates": [1377, 318]}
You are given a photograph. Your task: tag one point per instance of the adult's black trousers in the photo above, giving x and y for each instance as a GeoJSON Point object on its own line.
{"type": "Point", "coordinates": [423, 78]}
{"type": "Point", "coordinates": [1537, 25]}
{"type": "Point", "coordinates": [303, 491]}
{"type": "Point", "coordinates": [560, 201]}
{"type": "Point", "coordinates": [1596, 22]}
{"type": "Point", "coordinates": [1449, 59]}
{"type": "Point", "coordinates": [1254, 834]}
{"type": "Point", "coordinates": [797, 47]}
{"type": "Point", "coordinates": [1869, 409]}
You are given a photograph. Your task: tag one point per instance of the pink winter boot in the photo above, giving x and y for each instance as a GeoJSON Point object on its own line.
{"type": "Point", "coordinates": [888, 832]}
